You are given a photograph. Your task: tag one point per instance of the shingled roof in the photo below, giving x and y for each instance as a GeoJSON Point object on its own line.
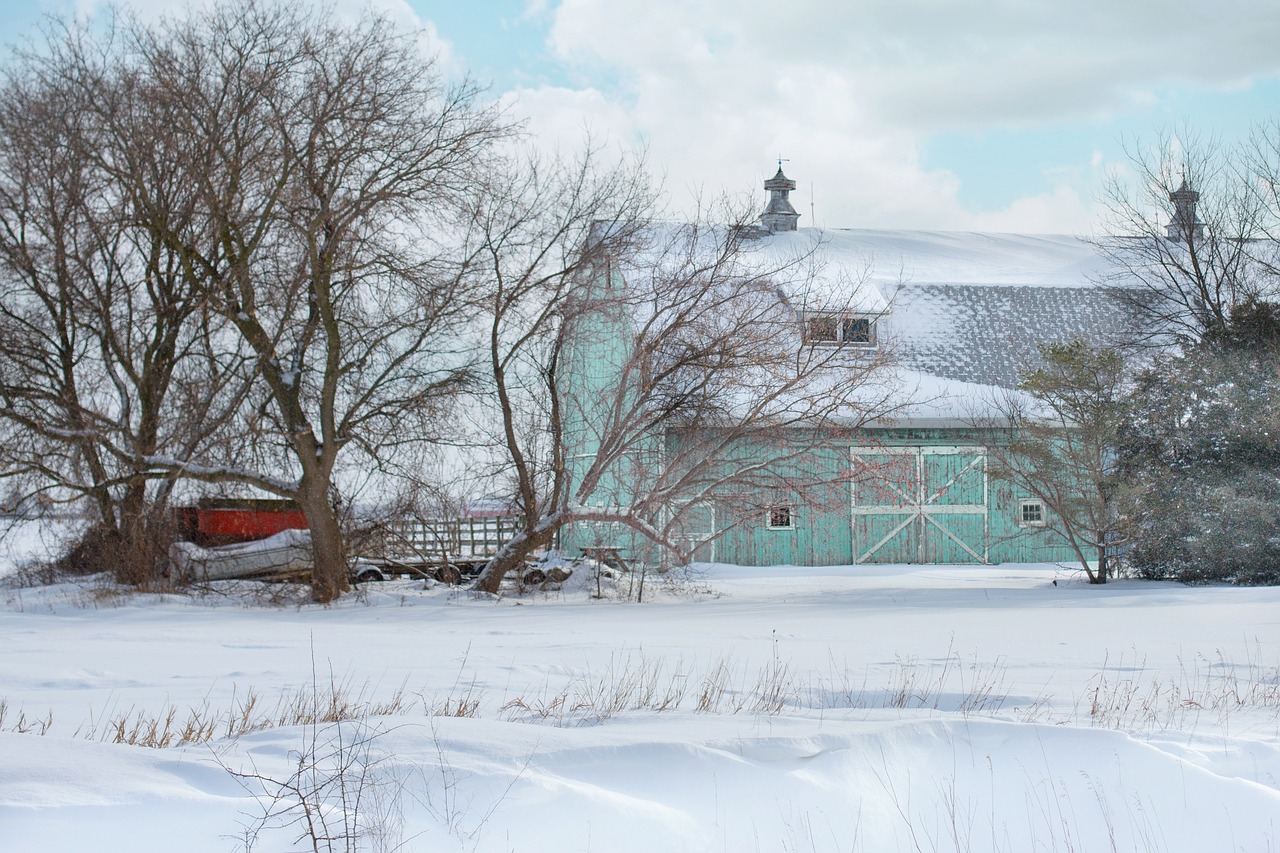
{"type": "Point", "coordinates": [988, 334]}
{"type": "Point", "coordinates": [970, 307]}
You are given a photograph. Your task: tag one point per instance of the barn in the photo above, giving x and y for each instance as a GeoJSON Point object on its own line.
{"type": "Point", "coordinates": [960, 316]}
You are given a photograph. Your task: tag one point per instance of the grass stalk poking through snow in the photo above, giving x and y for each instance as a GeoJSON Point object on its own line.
{"type": "Point", "coordinates": [1120, 696]}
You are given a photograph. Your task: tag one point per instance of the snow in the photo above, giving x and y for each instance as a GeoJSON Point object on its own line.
{"type": "Point", "coordinates": [925, 400]}
{"type": "Point", "coordinates": [859, 708]}
{"type": "Point", "coordinates": [958, 315]}
{"type": "Point", "coordinates": [862, 269]}
{"type": "Point", "coordinates": [288, 550]}
{"type": "Point", "coordinates": [892, 258]}
{"type": "Point", "coordinates": [245, 475]}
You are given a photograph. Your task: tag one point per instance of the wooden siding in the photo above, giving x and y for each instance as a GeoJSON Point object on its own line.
{"type": "Point", "coordinates": [877, 496]}
{"type": "Point", "coordinates": [907, 496]}
{"type": "Point", "coordinates": [919, 504]}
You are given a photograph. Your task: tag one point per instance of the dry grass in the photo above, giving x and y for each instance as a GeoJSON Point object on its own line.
{"type": "Point", "coordinates": [24, 725]}
{"type": "Point", "coordinates": [950, 683]}
{"type": "Point", "coordinates": [336, 702]}
{"type": "Point", "coordinates": [1121, 696]}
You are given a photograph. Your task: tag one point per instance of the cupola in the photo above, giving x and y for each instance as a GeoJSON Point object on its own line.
{"type": "Point", "coordinates": [1184, 228]}
{"type": "Point", "coordinates": [779, 215]}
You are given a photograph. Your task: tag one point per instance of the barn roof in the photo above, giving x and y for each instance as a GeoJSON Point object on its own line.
{"type": "Point", "coordinates": [965, 313]}
{"type": "Point", "coordinates": [988, 335]}
{"type": "Point", "coordinates": [968, 307]}
{"type": "Point", "coordinates": [890, 258]}
{"type": "Point", "coordinates": [961, 314]}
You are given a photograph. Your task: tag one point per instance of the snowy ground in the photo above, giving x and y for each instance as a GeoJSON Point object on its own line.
{"type": "Point", "coordinates": [782, 709]}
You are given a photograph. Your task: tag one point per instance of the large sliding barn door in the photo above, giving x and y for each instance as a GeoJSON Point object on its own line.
{"type": "Point", "coordinates": [920, 505]}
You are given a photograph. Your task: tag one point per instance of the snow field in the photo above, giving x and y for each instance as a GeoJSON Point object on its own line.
{"type": "Point", "coordinates": [869, 708]}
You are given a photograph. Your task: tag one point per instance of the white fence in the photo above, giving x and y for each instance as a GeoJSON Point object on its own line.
{"type": "Point", "coordinates": [449, 539]}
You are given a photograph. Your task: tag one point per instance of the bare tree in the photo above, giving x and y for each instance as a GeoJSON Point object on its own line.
{"type": "Point", "coordinates": [1262, 164]}
{"type": "Point", "coordinates": [538, 229]}
{"type": "Point", "coordinates": [236, 242]}
{"type": "Point", "coordinates": [644, 368]}
{"type": "Point", "coordinates": [328, 159]}
{"type": "Point", "coordinates": [105, 347]}
{"type": "Point", "coordinates": [1055, 438]}
{"type": "Point", "coordinates": [1190, 234]}
{"type": "Point", "coordinates": [1199, 227]}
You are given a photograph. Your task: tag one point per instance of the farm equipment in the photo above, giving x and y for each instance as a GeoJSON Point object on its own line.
{"type": "Point", "coordinates": [448, 550]}
{"type": "Point", "coordinates": [268, 539]}
{"type": "Point", "coordinates": [229, 521]}
{"type": "Point", "coordinates": [284, 556]}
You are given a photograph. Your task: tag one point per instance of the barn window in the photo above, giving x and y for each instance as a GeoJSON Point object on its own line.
{"type": "Point", "coordinates": [781, 518]}
{"type": "Point", "coordinates": [854, 330]}
{"type": "Point", "coordinates": [857, 330]}
{"type": "Point", "coordinates": [1030, 514]}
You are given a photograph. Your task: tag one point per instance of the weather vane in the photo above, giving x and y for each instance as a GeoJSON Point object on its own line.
{"type": "Point", "coordinates": [781, 161]}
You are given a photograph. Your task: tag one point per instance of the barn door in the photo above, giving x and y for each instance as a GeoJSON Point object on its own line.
{"type": "Point", "coordinates": [696, 531]}
{"type": "Point", "coordinates": [920, 505]}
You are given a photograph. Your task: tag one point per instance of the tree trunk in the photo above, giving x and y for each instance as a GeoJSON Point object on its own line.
{"type": "Point", "coordinates": [138, 549]}
{"type": "Point", "coordinates": [329, 577]}
{"type": "Point", "coordinates": [511, 556]}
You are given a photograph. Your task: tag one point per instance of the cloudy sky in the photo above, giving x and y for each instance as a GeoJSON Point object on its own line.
{"type": "Point", "coordinates": [999, 115]}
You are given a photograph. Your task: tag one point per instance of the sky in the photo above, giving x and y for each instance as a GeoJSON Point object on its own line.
{"type": "Point", "coordinates": [977, 115]}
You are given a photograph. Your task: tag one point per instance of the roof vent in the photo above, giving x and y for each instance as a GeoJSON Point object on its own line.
{"type": "Point", "coordinates": [779, 215]}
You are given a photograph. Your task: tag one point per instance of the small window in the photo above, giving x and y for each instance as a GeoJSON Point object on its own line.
{"type": "Point", "coordinates": [781, 518]}
{"type": "Point", "coordinates": [840, 330]}
{"type": "Point", "coordinates": [857, 330]}
{"type": "Point", "coordinates": [1030, 514]}
{"type": "Point", "coordinates": [822, 330]}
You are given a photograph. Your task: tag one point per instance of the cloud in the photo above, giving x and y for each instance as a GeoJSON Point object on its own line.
{"type": "Point", "coordinates": [931, 63]}
{"type": "Point", "coordinates": [850, 92]}
{"type": "Point", "coordinates": [1040, 214]}
{"type": "Point", "coordinates": [853, 93]}
{"type": "Point", "coordinates": [559, 117]}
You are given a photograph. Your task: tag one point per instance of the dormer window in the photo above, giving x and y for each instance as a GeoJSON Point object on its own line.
{"type": "Point", "coordinates": [854, 330]}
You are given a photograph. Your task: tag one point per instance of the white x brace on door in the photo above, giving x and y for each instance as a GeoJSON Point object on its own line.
{"type": "Point", "coordinates": [920, 504]}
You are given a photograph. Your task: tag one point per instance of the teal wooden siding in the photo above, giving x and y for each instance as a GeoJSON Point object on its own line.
{"type": "Point", "coordinates": [903, 496]}
{"type": "Point", "coordinates": [696, 528]}
{"type": "Point", "coordinates": [919, 504]}
{"type": "Point", "coordinates": [596, 356]}
{"type": "Point", "coordinates": [813, 485]}
{"type": "Point", "coordinates": [875, 496]}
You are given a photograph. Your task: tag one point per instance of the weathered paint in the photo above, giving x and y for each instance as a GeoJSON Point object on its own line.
{"type": "Point", "coordinates": [872, 496]}
{"type": "Point", "coordinates": [903, 496]}
{"type": "Point", "coordinates": [919, 504]}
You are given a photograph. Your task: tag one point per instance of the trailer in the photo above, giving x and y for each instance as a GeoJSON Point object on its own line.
{"type": "Point", "coordinates": [447, 549]}
{"type": "Point", "coordinates": [225, 538]}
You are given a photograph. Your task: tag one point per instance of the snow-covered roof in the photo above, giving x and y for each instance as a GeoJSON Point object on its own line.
{"type": "Point", "coordinates": [891, 258]}
{"type": "Point", "coordinates": [967, 307]}
{"type": "Point", "coordinates": [832, 265]}
{"type": "Point", "coordinates": [988, 334]}
{"type": "Point", "coordinates": [961, 314]}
